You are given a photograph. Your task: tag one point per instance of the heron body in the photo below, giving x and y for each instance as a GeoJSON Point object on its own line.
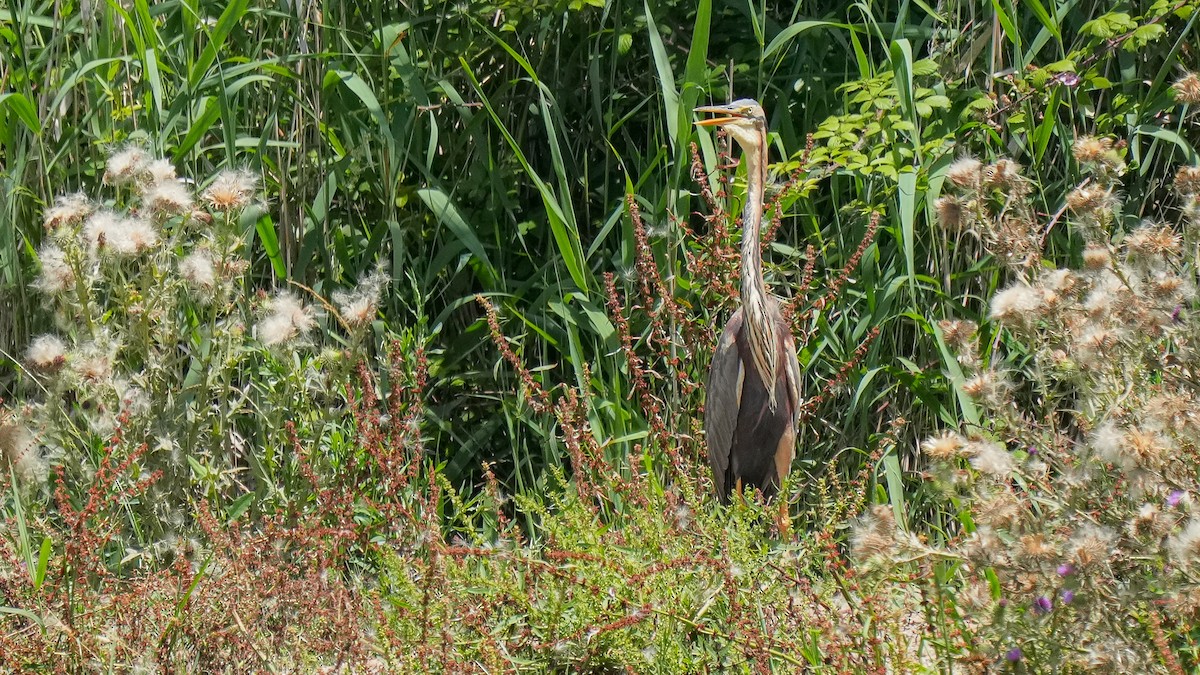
{"type": "Point", "coordinates": [753, 397]}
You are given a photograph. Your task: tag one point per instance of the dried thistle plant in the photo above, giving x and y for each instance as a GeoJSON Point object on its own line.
{"type": "Point", "coordinates": [1075, 492]}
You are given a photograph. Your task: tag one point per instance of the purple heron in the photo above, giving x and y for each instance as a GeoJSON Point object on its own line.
{"type": "Point", "coordinates": [752, 403]}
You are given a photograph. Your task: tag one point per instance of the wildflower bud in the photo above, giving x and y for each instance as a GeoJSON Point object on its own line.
{"type": "Point", "coordinates": [874, 533]}
{"type": "Point", "coordinates": [984, 547]}
{"type": "Point", "coordinates": [1042, 605]}
{"type": "Point", "coordinates": [1001, 509]}
{"type": "Point", "coordinates": [1013, 655]}
{"type": "Point", "coordinates": [57, 273]}
{"type": "Point", "coordinates": [1062, 362]}
{"type": "Point", "coordinates": [1166, 286]}
{"type": "Point", "coordinates": [359, 308]}
{"type": "Point", "coordinates": [1184, 547]}
{"type": "Point", "coordinates": [1067, 596]}
{"type": "Point", "coordinates": [974, 387]}
{"type": "Point", "coordinates": [167, 197]}
{"type": "Point", "coordinates": [1146, 447]}
{"type": "Point", "coordinates": [289, 318]}
{"type": "Point", "coordinates": [1036, 547]}
{"type": "Point", "coordinates": [1090, 545]}
{"type": "Point", "coordinates": [1092, 150]}
{"type": "Point", "coordinates": [1187, 89]}
{"type": "Point", "coordinates": [976, 596]}
{"type": "Point", "coordinates": [1146, 523]}
{"type": "Point", "coordinates": [19, 452]}
{"type": "Point", "coordinates": [92, 365]}
{"type": "Point", "coordinates": [159, 171]}
{"type": "Point", "coordinates": [197, 269]}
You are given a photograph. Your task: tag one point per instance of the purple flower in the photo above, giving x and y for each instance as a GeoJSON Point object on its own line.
{"type": "Point", "coordinates": [1014, 655]}
{"type": "Point", "coordinates": [1175, 497]}
{"type": "Point", "coordinates": [1067, 595]}
{"type": "Point", "coordinates": [1065, 570]}
{"type": "Point", "coordinates": [1067, 78]}
{"type": "Point", "coordinates": [1042, 605]}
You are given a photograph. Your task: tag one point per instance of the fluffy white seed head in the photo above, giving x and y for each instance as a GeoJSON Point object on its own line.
{"type": "Point", "coordinates": [57, 275]}
{"type": "Point", "coordinates": [288, 319]}
{"type": "Point", "coordinates": [358, 308]}
{"type": "Point", "coordinates": [160, 171]}
{"type": "Point", "coordinates": [197, 269]}
{"type": "Point", "coordinates": [47, 353]}
{"type": "Point", "coordinates": [19, 451]}
{"type": "Point", "coordinates": [167, 197]}
{"type": "Point", "coordinates": [1184, 546]}
{"type": "Point", "coordinates": [126, 165]}
{"type": "Point", "coordinates": [991, 458]}
{"type": "Point", "coordinates": [230, 190]}
{"type": "Point", "coordinates": [1016, 305]}
{"type": "Point", "coordinates": [67, 210]}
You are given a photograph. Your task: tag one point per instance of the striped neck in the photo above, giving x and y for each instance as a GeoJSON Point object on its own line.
{"type": "Point", "coordinates": [764, 339]}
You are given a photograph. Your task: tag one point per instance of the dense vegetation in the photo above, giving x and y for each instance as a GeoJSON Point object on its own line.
{"type": "Point", "coordinates": [365, 337]}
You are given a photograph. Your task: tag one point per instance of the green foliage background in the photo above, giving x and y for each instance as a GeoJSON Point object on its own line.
{"type": "Point", "coordinates": [490, 148]}
{"type": "Point", "coordinates": [524, 153]}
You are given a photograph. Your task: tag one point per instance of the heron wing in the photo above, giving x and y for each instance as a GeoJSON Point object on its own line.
{"type": "Point", "coordinates": [722, 401]}
{"type": "Point", "coordinates": [791, 364]}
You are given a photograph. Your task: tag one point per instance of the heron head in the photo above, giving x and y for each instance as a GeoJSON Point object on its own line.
{"type": "Point", "coordinates": [745, 119]}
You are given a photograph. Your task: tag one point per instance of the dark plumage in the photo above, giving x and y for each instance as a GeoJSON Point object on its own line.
{"type": "Point", "coordinates": [753, 395]}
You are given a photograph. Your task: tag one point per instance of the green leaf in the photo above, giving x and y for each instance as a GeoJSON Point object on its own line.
{"type": "Point", "coordinates": [23, 109]}
{"type": "Point", "coordinates": [39, 576]}
{"type": "Point", "coordinates": [34, 618]}
{"type": "Point", "coordinates": [666, 78]}
{"type": "Point", "coordinates": [1039, 10]}
{"type": "Point", "coordinates": [212, 110]}
{"type": "Point", "coordinates": [264, 226]}
{"type": "Point", "coordinates": [448, 215]}
{"type": "Point", "coordinates": [791, 32]}
{"type": "Point", "coordinates": [895, 488]}
{"type": "Point", "coordinates": [562, 223]}
{"type": "Point", "coordinates": [1168, 136]}
{"type": "Point", "coordinates": [238, 507]}
{"type": "Point", "coordinates": [1006, 22]}
{"type": "Point", "coordinates": [23, 541]}
{"type": "Point", "coordinates": [229, 18]}
{"type": "Point", "coordinates": [1144, 35]}
{"type": "Point", "coordinates": [1108, 25]}
{"type": "Point", "coordinates": [362, 91]}
{"type": "Point", "coordinates": [199, 469]}
{"type": "Point", "coordinates": [925, 67]}
{"type": "Point", "coordinates": [907, 196]}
